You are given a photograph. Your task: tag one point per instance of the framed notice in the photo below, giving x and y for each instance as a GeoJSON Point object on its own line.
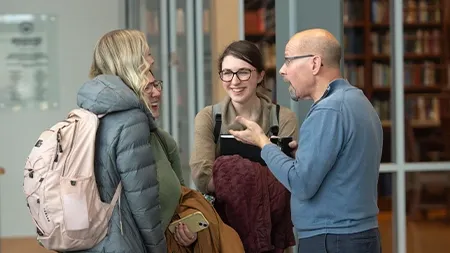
{"type": "Point", "coordinates": [28, 68]}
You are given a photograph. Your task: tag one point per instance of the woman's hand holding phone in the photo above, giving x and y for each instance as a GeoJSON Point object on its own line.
{"type": "Point", "coordinates": [183, 236]}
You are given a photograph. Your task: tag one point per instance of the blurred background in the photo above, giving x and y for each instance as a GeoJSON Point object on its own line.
{"type": "Point", "coordinates": [395, 51]}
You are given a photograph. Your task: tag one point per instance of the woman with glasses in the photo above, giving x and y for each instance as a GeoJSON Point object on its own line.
{"type": "Point", "coordinates": [167, 159]}
{"type": "Point", "coordinates": [176, 200]}
{"type": "Point", "coordinates": [153, 93]}
{"type": "Point", "coordinates": [241, 69]}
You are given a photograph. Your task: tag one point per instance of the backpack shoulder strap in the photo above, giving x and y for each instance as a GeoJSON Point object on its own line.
{"type": "Point", "coordinates": [278, 112]}
{"type": "Point", "coordinates": [274, 119]}
{"type": "Point", "coordinates": [217, 120]}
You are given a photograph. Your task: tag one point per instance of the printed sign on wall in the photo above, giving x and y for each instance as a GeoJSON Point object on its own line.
{"type": "Point", "coordinates": [28, 68]}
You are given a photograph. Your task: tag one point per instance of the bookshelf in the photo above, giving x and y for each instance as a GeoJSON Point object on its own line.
{"type": "Point", "coordinates": [426, 73]}
{"type": "Point", "coordinates": [367, 56]}
{"type": "Point", "coordinates": [259, 22]}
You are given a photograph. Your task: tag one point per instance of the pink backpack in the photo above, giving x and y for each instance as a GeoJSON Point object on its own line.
{"type": "Point", "coordinates": [60, 187]}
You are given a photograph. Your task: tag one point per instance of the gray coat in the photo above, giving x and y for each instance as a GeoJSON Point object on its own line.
{"type": "Point", "coordinates": [123, 153]}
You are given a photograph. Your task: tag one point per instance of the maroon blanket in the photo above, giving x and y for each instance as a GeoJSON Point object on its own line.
{"type": "Point", "coordinates": [252, 201]}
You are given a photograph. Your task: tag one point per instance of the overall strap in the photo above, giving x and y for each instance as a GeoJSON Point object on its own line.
{"type": "Point", "coordinates": [217, 120]}
{"type": "Point", "coordinates": [274, 120]}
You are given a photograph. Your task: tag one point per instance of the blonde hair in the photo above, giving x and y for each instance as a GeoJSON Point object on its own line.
{"type": "Point", "coordinates": [122, 53]}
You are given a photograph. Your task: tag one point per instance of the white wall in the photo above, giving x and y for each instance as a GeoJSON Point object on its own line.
{"type": "Point", "coordinates": [80, 24]}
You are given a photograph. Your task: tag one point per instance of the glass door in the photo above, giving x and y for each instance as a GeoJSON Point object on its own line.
{"type": "Point", "coordinates": [182, 77]}
{"type": "Point", "coordinates": [154, 23]}
{"type": "Point", "coordinates": [203, 53]}
{"type": "Point", "coordinates": [178, 32]}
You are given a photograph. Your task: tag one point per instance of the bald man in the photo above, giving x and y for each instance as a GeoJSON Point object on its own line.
{"type": "Point", "coordinates": [333, 177]}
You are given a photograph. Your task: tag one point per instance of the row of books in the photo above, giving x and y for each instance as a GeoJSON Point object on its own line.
{"type": "Point", "coordinates": [382, 107]}
{"type": "Point", "coordinates": [353, 42]}
{"type": "Point", "coordinates": [380, 43]}
{"type": "Point", "coordinates": [354, 74]}
{"type": "Point", "coordinates": [419, 108]}
{"type": "Point", "coordinates": [419, 42]}
{"type": "Point", "coordinates": [268, 51]}
{"type": "Point", "coordinates": [423, 42]}
{"type": "Point", "coordinates": [352, 11]}
{"type": "Point", "coordinates": [422, 108]}
{"type": "Point", "coordinates": [418, 75]}
{"type": "Point", "coordinates": [426, 42]}
{"type": "Point", "coordinates": [380, 11]}
{"type": "Point", "coordinates": [259, 21]}
{"type": "Point", "coordinates": [414, 11]}
{"type": "Point", "coordinates": [422, 11]}
{"type": "Point", "coordinates": [381, 75]}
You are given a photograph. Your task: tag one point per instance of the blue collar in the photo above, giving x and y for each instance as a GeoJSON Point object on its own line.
{"type": "Point", "coordinates": [336, 84]}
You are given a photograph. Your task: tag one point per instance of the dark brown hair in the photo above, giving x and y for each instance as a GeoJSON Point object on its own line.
{"type": "Point", "coordinates": [248, 52]}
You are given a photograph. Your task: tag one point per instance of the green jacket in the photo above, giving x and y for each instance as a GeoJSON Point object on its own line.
{"type": "Point", "coordinates": [170, 177]}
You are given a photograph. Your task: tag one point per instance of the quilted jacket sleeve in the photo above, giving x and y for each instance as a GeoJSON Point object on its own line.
{"type": "Point", "coordinates": [137, 168]}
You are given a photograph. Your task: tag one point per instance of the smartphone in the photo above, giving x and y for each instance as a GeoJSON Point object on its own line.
{"type": "Point", "coordinates": [195, 222]}
{"type": "Point", "coordinates": [283, 143]}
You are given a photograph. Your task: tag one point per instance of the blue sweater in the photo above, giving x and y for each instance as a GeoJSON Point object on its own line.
{"type": "Point", "coordinates": [333, 179]}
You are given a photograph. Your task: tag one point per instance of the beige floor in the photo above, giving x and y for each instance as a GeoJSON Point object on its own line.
{"type": "Point", "coordinates": [21, 245]}
{"type": "Point", "coordinates": [430, 236]}
{"type": "Point", "coordinates": [426, 236]}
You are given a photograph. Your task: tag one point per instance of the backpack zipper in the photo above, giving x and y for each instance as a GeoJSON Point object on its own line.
{"type": "Point", "coordinates": [71, 145]}
{"type": "Point", "coordinates": [58, 145]}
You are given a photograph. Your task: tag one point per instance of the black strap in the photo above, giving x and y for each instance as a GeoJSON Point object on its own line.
{"type": "Point", "coordinates": [274, 130]}
{"type": "Point", "coordinates": [218, 124]}
{"type": "Point", "coordinates": [217, 127]}
{"type": "Point", "coordinates": [278, 113]}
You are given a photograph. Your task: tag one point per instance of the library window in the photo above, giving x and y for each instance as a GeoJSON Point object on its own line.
{"type": "Point", "coordinates": [259, 27]}
{"type": "Point", "coordinates": [367, 44]}
{"type": "Point", "coordinates": [426, 64]}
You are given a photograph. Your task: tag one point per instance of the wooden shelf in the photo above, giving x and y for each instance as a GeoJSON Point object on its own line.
{"type": "Point", "coordinates": [358, 57]}
{"type": "Point", "coordinates": [416, 123]}
{"type": "Point", "coordinates": [367, 33]}
{"type": "Point", "coordinates": [387, 57]}
{"type": "Point", "coordinates": [260, 29]}
{"type": "Point", "coordinates": [408, 56]}
{"type": "Point", "coordinates": [424, 25]}
{"type": "Point", "coordinates": [357, 24]}
{"type": "Point", "coordinates": [411, 89]}
{"type": "Point", "coordinates": [268, 37]}
{"type": "Point", "coordinates": [262, 34]}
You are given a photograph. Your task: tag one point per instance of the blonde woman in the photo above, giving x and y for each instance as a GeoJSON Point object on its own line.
{"type": "Point", "coordinates": [120, 72]}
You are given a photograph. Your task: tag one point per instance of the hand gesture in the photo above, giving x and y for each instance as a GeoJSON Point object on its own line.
{"type": "Point", "coordinates": [253, 134]}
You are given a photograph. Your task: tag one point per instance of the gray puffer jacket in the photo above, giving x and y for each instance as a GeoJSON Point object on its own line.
{"type": "Point", "coordinates": [123, 153]}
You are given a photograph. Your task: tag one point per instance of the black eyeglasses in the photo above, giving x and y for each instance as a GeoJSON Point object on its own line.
{"type": "Point", "coordinates": [243, 74]}
{"type": "Point", "coordinates": [157, 84]}
{"type": "Point", "coordinates": [289, 59]}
